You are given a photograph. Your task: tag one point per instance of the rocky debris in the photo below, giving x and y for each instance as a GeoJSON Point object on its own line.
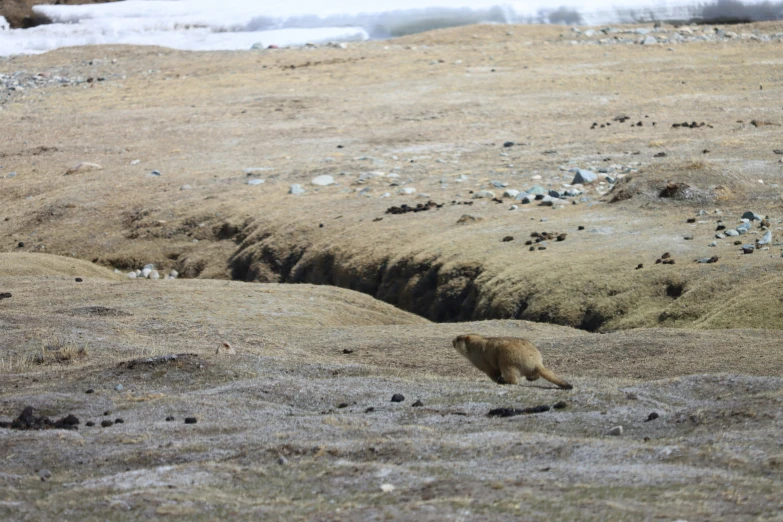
{"type": "Point", "coordinates": [420, 207]}
{"type": "Point", "coordinates": [762, 123]}
{"type": "Point", "coordinates": [225, 348]}
{"type": "Point", "coordinates": [651, 417]}
{"type": "Point", "coordinates": [513, 412]}
{"type": "Point", "coordinates": [766, 239]}
{"type": "Point", "coordinates": [509, 144]}
{"type": "Point", "coordinates": [417, 404]}
{"type": "Point", "coordinates": [510, 193]}
{"type": "Point", "coordinates": [616, 431]}
{"type": "Point", "coordinates": [191, 420]}
{"type": "Point", "coordinates": [542, 237]}
{"type": "Point", "coordinates": [5, 295]}
{"type": "Point", "coordinates": [752, 216]}
{"type": "Point", "coordinates": [107, 423]}
{"type": "Point", "coordinates": [748, 249]}
{"type": "Point", "coordinates": [296, 189]}
{"type": "Point", "coordinates": [713, 259]}
{"type": "Point", "coordinates": [691, 125]}
{"type": "Point", "coordinates": [82, 167]}
{"type": "Point", "coordinates": [665, 259]}
{"type": "Point", "coordinates": [28, 421]}
{"type": "Point", "coordinates": [729, 232]}
{"type": "Point", "coordinates": [19, 83]}
{"type": "Point", "coordinates": [407, 191]}
{"type": "Point", "coordinates": [659, 155]}
{"type": "Point", "coordinates": [323, 181]}
{"type": "Point", "coordinates": [149, 272]}
{"type": "Point", "coordinates": [508, 239]}
{"type": "Point", "coordinates": [398, 397]}
{"type": "Point", "coordinates": [639, 266]}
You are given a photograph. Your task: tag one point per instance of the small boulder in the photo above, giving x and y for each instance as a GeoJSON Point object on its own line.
{"type": "Point", "coordinates": [584, 176]}
{"type": "Point", "coordinates": [296, 189]}
{"type": "Point", "coordinates": [323, 181]}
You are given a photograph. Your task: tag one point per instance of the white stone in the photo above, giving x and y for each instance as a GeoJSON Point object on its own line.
{"type": "Point", "coordinates": [407, 191]}
{"type": "Point", "coordinates": [131, 275]}
{"type": "Point", "coordinates": [616, 431]}
{"type": "Point", "coordinates": [510, 193]}
{"type": "Point", "coordinates": [323, 181]}
{"type": "Point", "coordinates": [255, 181]}
{"type": "Point", "coordinates": [146, 272]}
{"type": "Point", "coordinates": [296, 189]}
{"type": "Point", "coordinates": [154, 274]}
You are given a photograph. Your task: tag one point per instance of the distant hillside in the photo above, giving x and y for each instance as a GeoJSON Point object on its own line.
{"type": "Point", "coordinates": [20, 14]}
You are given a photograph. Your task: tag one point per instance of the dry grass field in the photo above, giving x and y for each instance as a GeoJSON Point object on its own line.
{"type": "Point", "coordinates": [334, 305]}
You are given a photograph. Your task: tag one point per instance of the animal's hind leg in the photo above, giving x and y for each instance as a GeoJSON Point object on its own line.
{"type": "Point", "coordinates": [510, 375]}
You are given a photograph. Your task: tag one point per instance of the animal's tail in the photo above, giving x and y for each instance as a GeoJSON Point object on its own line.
{"type": "Point", "coordinates": [551, 377]}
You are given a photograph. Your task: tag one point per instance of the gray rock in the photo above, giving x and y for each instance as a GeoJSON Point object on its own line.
{"type": "Point", "coordinates": [751, 216]}
{"type": "Point", "coordinates": [44, 474]}
{"type": "Point", "coordinates": [484, 194]}
{"type": "Point", "coordinates": [499, 184]}
{"type": "Point", "coordinates": [748, 249]}
{"type": "Point", "coordinates": [173, 274]}
{"type": "Point", "coordinates": [524, 198]}
{"type": "Point", "coordinates": [535, 190]}
{"type": "Point", "coordinates": [255, 181]}
{"type": "Point", "coordinates": [119, 387]}
{"type": "Point", "coordinates": [11, 175]}
{"type": "Point", "coordinates": [547, 201]}
{"type": "Point", "coordinates": [713, 244]}
{"type": "Point", "coordinates": [131, 275]}
{"type": "Point", "coordinates": [186, 187]}
{"type": "Point", "coordinates": [616, 431]}
{"type": "Point", "coordinates": [649, 40]}
{"type": "Point", "coordinates": [767, 239]}
{"type": "Point", "coordinates": [323, 181]}
{"type": "Point", "coordinates": [151, 266]}
{"type": "Point", "coordinates": [510, 193]}
{"type": "Point", "coordinates": [731, 232]}
{"type": "Point", "coordinates": [584, 176]}
{"type": "Point", "coordinates": [719, 236]}
{"type": "Point", "coordinates": [154, 173]}
{"type": "Point", "coordinates": [407, 191]}
{"type": "Point", "coordinates": [258, 46]}
{"type": "Point", "coordinates": [513, 207]}
{"type": "Point", "coordinates": [154, 274]}
{"type": "Point", "coordinates": [572, 192]}
{"type": "Point", "coordinates": [554, 194]}
{"type": "Point", "coordinates": [296, 189]}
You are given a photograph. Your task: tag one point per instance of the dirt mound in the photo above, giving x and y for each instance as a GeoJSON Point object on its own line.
{"type": "Point", "coordinates": [36, 265]}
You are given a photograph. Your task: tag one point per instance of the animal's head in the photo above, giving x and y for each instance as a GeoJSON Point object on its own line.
{"type": "Point", "coordinates": [460, 343]}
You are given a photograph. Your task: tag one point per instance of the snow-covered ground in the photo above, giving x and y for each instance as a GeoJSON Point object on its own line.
{"type": "Point", "coordinates": [239, 24]}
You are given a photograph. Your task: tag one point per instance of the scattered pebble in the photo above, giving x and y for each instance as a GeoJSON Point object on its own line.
{"type": "Point", "coordinates": [78, 279]}
{"type": "Point", "coordinates": [296, 189]}
{"type": "Point", "coordinates": [106, 423]}
{"type": "Point", "coordinates": [191, 420]}
{"type": "Point", "coordinates": [119, 387]}
{"type": "Point", "coordinates": [508, 238]}
{"type": "Point", "coordinates": [89, 424]}
{"type": "Point", "coordinates": [90, 391]}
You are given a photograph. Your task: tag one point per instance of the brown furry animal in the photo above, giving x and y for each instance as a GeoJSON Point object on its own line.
{"type": "Point", "coordinates": [505, 359]}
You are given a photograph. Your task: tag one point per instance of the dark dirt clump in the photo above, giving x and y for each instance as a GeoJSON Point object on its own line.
{"type": "Point", "coordinates": [28, 421]}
